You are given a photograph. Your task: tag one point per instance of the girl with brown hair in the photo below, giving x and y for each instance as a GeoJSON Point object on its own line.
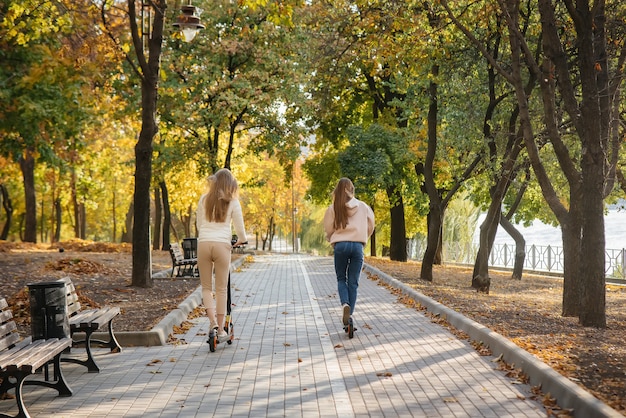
{"type": "Point", "coordinates": [348, 224]}
{"type": "Point", "coordinates": [218, 209]}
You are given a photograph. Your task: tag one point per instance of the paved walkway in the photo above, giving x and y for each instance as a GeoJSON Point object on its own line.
{"type": "Point", "coordinates": [291, 358]}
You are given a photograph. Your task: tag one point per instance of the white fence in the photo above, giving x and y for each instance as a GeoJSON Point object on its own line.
{"type": "Point", "coordinates": [548, 258]}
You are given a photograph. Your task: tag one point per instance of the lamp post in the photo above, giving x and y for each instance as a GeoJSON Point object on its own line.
{"type": "Point", "coordinates": [189, 21]}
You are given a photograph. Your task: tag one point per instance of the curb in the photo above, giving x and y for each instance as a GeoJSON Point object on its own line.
{"type": "Point", "coordinates": [568, 394]}
{"type": "Point", "coordinates": [159, 334]}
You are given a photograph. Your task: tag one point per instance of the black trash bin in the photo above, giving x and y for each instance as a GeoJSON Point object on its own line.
{"type": "Point", "coordinates": [48, 310]}
{"type": "Point", "coordinates": [190, 247]}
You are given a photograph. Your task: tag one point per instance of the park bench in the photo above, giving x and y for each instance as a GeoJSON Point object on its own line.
{"type": "Point", "coordinates": [87, 322]}
{"type": "Point", "coordinates": [183, 267]}
{"type": "Point", "coordinates": [19, 358]}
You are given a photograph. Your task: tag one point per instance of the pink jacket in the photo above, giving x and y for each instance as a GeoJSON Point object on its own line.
{"type": "Point", "coordinates": [360, 223]}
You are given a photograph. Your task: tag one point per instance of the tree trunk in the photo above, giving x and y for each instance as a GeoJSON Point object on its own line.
{"type": "Point", "coordinates": [167, 216]}
{"type": "Point", "coordinates": [397, 245]}
{"type": "Point", "coordinates": [58, 212]}
{"type": "Point", "coordinates": [231, 136]}
{"type": "Point", "coordinates": [113, 213]}
{"type": "Point", "coordinates": [520, 247]}
{"type": "Point", "coordinates": [83, 220]}
{"type": "Point", "coordinates": [8, 209]}
{"type": "Point", "coordinates": [570, 231]}
{"type": "Point", "coordinates": [74, 196]}
{"type": "Point", "coordinates": [434, 196]}
{"type": "Point", "coordinates": [141, 272]}
{"type": "Point", "coordinates": [127, 234]}
{"type": "Point", "coordinates": [488, 229]}
{"type": "Point", "coordinates": [480, 278]}
{"type": "Point", "coordinates": [435, 218]}
{"type": "Point", "coordinates": [439, 250]}
{"type": "Point", "coordinates": [595, 110]}
{"type": "Point", "coordinates": [270, 233]}
{"type": "Point", "coordinates": [373, 238]}
{"type": "Point", "coordinates": [593, 291]}
{"type": "Point", "coordinates": [42, 221]}
{"type": "Point", "coordinates": [156, 230]}
{"type": "Point", "coordinates": [27, 166]}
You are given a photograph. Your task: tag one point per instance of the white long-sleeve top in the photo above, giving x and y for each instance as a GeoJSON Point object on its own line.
{"type": "Point", "coordinates": [220, 231]}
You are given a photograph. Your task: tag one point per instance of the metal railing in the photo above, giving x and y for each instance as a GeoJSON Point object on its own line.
{"type": "Point", "coordinates": [541, 258]}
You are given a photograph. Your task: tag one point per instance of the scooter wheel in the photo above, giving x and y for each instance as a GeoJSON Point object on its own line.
{"type": "Point", "coordinates": [351, 329]}
{"type": "Point", "coordinates": [212, 340]}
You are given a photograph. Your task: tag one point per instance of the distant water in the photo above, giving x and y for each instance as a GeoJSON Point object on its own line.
{"type": "Point", "coordinates": [541, 234]}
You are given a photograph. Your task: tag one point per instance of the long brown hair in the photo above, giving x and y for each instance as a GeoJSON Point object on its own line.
{"type": "Point", "coordinates": [222, 189]}
{"type": "Point", "coordinates": [344, 191]}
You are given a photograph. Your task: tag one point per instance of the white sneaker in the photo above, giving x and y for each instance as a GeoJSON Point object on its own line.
{"type": "Point", "coordinates": [222, 334]}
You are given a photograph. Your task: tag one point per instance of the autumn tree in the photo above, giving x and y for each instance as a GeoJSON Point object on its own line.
{"type": "Point", "coordinates": [45, 89]}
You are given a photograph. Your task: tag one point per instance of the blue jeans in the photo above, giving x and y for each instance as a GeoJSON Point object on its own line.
{"type": "Point", "coordinates": [348, 265]}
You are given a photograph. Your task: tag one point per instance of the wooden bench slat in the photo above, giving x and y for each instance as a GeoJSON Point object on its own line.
{"type": "Point", "coordinates": [16, 356]}
{"type": "Point", "coordinates": [5, 315]}
{"type": "Point", "coordinates": [9, 339]}
{"type": "Point", "coordinates": [94, 318]}
{"type": "Point", "coordinates": [71, 297]}
{"type": "Point", "coordinates": [5, 354]}
{"type": "Point", "coordinates": [76, 319]}
{"type": "Point", "coordinates": [7, 327]}
{"type": "Point", "coordinates": [36, 354]}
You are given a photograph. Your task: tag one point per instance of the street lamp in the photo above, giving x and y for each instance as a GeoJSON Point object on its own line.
{"type": "Point", "coordinates": [189, 22]}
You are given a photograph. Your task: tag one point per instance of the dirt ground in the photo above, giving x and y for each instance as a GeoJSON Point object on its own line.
{"type": "Point", "coordinates": [527, 311]}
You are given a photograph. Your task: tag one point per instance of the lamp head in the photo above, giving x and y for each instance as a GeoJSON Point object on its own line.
{"type": "Point", "coordinates": [188, 23]}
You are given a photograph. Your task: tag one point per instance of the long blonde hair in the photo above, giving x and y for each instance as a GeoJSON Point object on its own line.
{"type": "Point", "coordinates": [222, 189]}
{"type": "Point", "coordinates": [344, 191]}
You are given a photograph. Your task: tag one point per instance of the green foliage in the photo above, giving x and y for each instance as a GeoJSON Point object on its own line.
{"type": "Point", "coordinates": [375, 158]}
{"type": "Point", "coordinates": [323, 171]}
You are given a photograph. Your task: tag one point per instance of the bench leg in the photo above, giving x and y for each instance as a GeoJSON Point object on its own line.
{"type": "Point", "coordinates": [112, 343]}
{"type": "Point", "coordinates": [16, 380]}
{"type": "Point", "coordinates": [90, 363]}
{"type": "Point", "coordinates": [60, 385]}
